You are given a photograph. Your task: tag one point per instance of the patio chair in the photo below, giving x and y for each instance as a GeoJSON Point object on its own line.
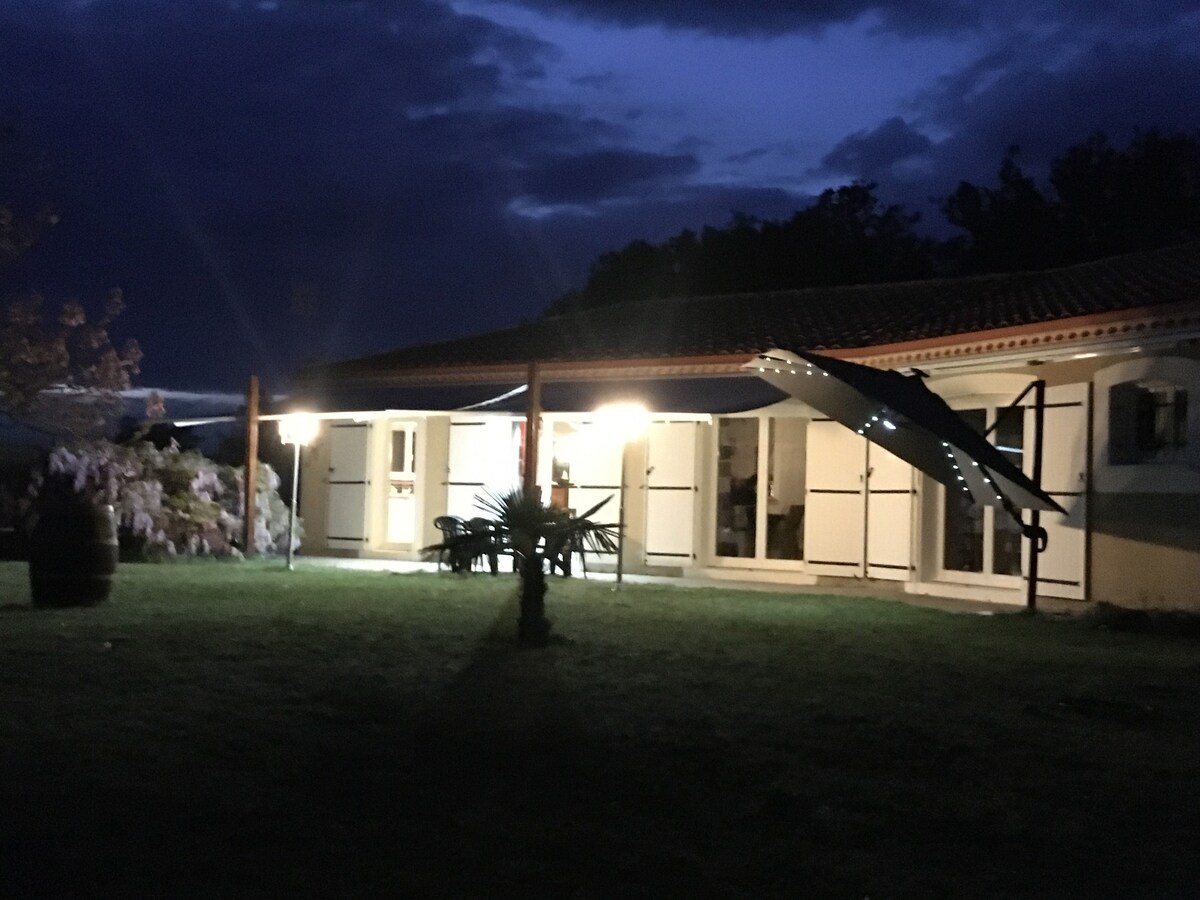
{"type": "Point", "coordinates": [560, 552]}
{"type": "Point", "coordinates": [451, 527]}
{"type": "Point", "coordinates": [488, 544]}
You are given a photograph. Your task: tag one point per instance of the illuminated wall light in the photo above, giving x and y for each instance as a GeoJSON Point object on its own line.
{"type": "Point", "coordinates": [888, 425]}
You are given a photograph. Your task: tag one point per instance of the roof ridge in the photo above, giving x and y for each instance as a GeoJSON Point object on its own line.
{"type": "Point", "coordinates": [978, 278]}
{"type": "Point", "coordinates": [835, 316]}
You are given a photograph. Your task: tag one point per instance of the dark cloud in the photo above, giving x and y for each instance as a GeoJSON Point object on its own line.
{"type": "Point", "coordinates": [392, 163]}
{"type": "Point", "coordinates": [1011, 97]}
{"type": "Point", "coordinates": [908, 17]}
{"type": "Point", "coordinates": [767, 17]}
{"type": "Point", "coordinates": [211, 156]}
{"type": "Point", "coordinates": [874, 154]}
{"type": "Point", "coordinates": [1111, 88]}
{"type": "Point", "coordinates": [601, 175]}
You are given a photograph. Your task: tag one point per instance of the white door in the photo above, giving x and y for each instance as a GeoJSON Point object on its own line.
{"type": "Point", "coordinates": [889, 515]}
{"type": "Point", "coordinates": [348, 482]}
{"type": "Point", "coordinates": [595, 478]}
{"type": "Point", "coordinates": [671, 492]}
{"type": "Point", "coordinates": [482, 458]}
{"type": "Point", "coordinates": [1062, 568]}
{"type": "Point", "coordinates": [834, 500]}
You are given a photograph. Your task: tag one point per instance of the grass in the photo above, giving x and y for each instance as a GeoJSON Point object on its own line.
{"type": "Point", "coordinates": [238, 731]}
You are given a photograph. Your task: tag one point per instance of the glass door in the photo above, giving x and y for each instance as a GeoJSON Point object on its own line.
{"type": "Point", "coordinates": [981, 544]}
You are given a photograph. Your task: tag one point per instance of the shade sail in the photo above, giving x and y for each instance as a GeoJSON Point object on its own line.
{"type": "Point", "coordinates": [333, 398]}
{"type": "Point", "coordinates": [717, 395]}
{"type": "Point", "coordinates": [900, 413]}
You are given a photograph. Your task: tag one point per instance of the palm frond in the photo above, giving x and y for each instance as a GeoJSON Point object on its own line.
{"type": "Point", "coordinates": [527, 523]}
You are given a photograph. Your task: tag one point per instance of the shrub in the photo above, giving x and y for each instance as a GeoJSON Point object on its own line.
{"type": "Point", "coordinates": [172, 502]}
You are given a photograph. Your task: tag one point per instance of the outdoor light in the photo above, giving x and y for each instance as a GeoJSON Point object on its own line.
{"type": "Point", "coordinates": [623, 422]}
{"type": "Point", "coordinates": [297, 429]}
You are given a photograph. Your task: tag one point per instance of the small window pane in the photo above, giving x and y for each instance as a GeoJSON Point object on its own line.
{"type": "Point", "coordinates": [1009, 437]}
{"type": "Point", "coordinates": [962, 537]}
{"type": "Point", "coordinates": [737, 487]}
{"type": "Point", "coordinates": [785, 491]}
{"type": "Point", "coordinates": [400, 451]}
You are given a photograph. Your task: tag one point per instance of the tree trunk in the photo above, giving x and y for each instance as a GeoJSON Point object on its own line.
{"type": "Point", "coordinates": [533, 628]}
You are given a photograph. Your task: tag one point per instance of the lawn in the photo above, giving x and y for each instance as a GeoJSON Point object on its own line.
{"type": "Point", "coordinates": [239, 731]}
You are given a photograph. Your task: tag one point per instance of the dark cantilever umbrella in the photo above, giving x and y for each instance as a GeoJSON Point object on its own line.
{"type": "Point", "coordinates": [900, 413]}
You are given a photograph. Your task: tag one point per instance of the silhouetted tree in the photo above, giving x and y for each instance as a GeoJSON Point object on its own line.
{"type": "Point", "coordinates": [847, 236]}
{"type": "Point", "coordinates": [1012, 227]}
{"type": "Point", "coordinates": [63, 375]}
{"type": "Point", "coordinates": [1116, 201]}
{"type": "Point", "coordinates": [59, 372]}
{"type": "Point", "coordinates": [1100, 201]}
{"type": "Point", "coordinates": [24, 213]}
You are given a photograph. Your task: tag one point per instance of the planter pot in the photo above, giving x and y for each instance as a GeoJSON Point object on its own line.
{"type": "Point", "coordinates": [72, 553]}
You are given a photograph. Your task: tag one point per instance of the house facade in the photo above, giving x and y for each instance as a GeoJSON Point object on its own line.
{"type": "Point", "coordinates": [731, 478]}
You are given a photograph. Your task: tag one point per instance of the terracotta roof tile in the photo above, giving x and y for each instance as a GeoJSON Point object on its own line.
{"type": "Point", "coordinates": [815, 318]}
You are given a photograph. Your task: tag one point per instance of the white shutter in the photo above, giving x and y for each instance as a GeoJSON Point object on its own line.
{"type": "Point", "coordinates": [596, 477]}
{"type": "Point", "coordinates": [482, 457]}
{"type": "Point", "coordinates": [834, 500]}
{"type": "Point", "coordinates": [889, 515]}
{"type": "Point", "coordinates": [347, 522]}
{"type": "Point", "coordinates": [1062, 568]}
{"type": "Point", "coordinates": [671, 493]}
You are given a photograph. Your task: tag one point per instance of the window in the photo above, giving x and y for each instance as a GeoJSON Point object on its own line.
{"type": "Point", "coordinates": [403, 459]}
{"type": "Point", "coordinates": [1147, 422]}
{"type": "Point", "coordinates": [760, 520]}
{"type": "Point", "coordinates": [785, 488]}
{"type": "Point", "coordinates": [737, 487]}
{"type": "Point", "coordinates": [981, 539]}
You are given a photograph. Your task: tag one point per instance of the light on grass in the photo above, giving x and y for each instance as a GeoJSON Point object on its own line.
{"type": "Point", "coordinates": [298, 429]}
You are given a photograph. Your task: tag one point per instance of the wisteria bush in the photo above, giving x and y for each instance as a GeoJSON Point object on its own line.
{"type": "Point", "coordinates": [173, 502]}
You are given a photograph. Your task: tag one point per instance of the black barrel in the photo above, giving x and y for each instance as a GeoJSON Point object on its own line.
{"type": "Point", "coordinates": [73, 554]}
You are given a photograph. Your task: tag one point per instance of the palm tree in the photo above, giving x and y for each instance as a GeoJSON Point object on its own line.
{"type": "Point", "coordinates": [534, 532]}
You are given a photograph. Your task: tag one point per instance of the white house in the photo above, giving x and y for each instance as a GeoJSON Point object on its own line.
{"type": "Point", "coordinates": [734, 479]}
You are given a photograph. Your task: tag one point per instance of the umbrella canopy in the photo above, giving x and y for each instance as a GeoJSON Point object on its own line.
{"type": "Point", "coordinates": [900, 413]}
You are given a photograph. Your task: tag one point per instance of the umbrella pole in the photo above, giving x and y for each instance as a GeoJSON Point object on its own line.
{"type": "Point", "coordinates": [1035, 516]}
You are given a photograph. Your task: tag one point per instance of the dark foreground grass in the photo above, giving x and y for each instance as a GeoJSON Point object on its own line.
{"type": "Point", "coordinates": [236, 731]}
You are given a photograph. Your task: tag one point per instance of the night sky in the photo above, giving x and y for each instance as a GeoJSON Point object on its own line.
{"type": "Point", "coordinates": [281, 181]}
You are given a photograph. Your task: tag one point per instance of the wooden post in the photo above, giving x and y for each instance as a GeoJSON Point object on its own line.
{"type": "Point", "coordinates": [250, 480]}
{"type": "Point", "coordinates": [533, 429]}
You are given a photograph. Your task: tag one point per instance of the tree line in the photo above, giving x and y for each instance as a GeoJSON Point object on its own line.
{"type": "Point", "coordinates": [1101, 200]}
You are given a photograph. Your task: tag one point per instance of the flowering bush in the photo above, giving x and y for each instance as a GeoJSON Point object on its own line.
{"type": "Point", "coordinates": [173, 502]}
